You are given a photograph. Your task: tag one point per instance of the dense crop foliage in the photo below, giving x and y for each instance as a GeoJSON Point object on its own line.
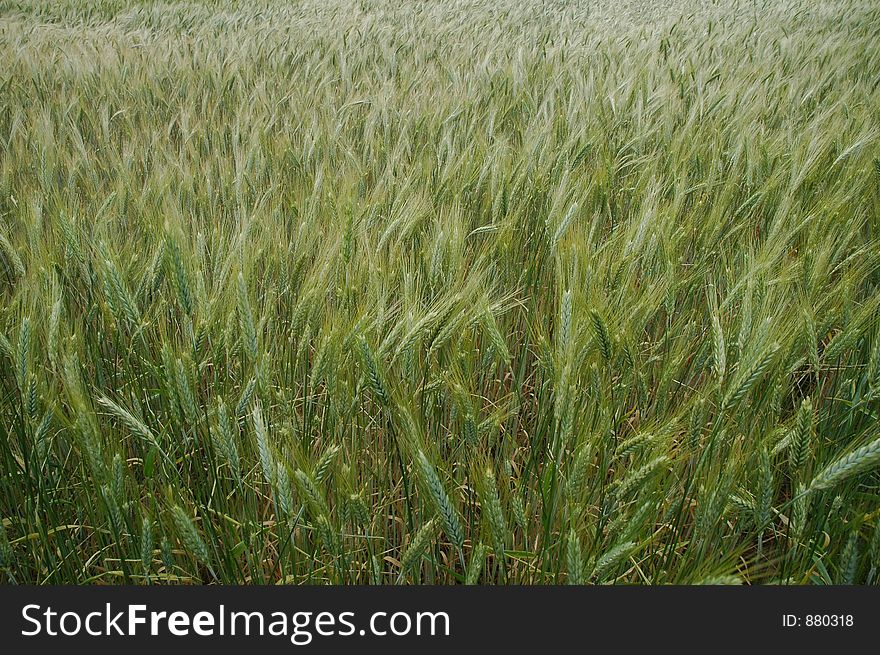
{"type": "Point", "coordinates": [439, 292]}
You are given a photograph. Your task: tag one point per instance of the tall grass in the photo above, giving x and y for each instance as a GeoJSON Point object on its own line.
{"type": "Point", "coordinates": [461, 292]}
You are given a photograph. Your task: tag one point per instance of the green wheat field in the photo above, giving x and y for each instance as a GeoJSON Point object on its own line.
{"type": "Point", "coordinates": [460, 292]}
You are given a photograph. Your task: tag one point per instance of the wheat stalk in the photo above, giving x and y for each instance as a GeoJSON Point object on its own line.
{"type": "Point", "coordinates": [847, 466]}
{"type": "Point", "coordinates": [416, 548]}
{"type": "Point", "coordinates": [189, 534]}
{"type": "Point", "coordinates": [441, 501]}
